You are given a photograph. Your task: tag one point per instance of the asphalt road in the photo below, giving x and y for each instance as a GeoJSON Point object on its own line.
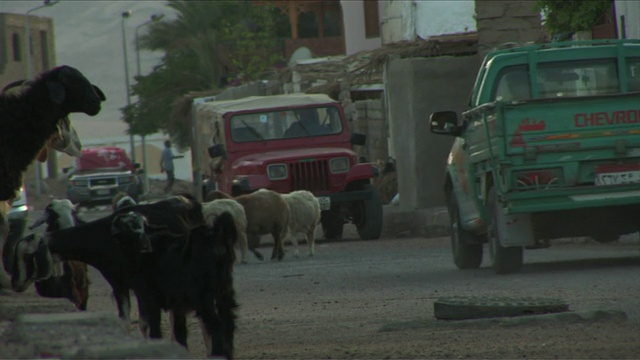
{"type": "Point", "coordinates": [339, 303]}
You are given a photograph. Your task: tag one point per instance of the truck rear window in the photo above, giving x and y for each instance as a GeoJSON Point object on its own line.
{"type": "Point", "coordinates": [566, 79]}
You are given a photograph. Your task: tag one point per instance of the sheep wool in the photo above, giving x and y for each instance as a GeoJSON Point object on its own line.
{"type": "Point", "coordinates": [304, 217]}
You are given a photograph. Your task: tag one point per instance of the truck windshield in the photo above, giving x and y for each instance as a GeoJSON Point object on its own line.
{"type": "Point", "coordinates": [285, 124]}
{"type": "Point", "coordinates": [565, 79]}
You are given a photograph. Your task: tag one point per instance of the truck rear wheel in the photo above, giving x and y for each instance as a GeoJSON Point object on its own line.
{"type": "Point", "coordinates": [505, 260]}
{"type": "Point", "coordinates": [466, 247]}
{"type": "Point", "coordinates": [332, 224]}
{"type": "Point", "coordinates": [369, 215]}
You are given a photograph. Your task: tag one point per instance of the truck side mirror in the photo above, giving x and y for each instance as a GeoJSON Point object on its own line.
{"type": "Point", "coordinates": [216, 150]}
{"type": "Point", "coordinates": [444, 122]}
{"type": "Point", "coordinates": [358, 139]}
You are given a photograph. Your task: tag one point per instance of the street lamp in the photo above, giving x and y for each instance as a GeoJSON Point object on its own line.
{"type": "Point", "coordinates": [145, 175]}
{"type": "Point", "coordinates": [125, 15]}
{"type": "Point", "coordinates": [27, 40]}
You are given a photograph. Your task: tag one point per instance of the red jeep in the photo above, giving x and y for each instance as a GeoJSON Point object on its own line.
{"type": "Point", "coordinates": [287, 143]}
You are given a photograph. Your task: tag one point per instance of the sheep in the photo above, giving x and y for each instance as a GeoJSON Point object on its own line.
{"type": "Point", "coordinates": [28, 119]}
{"type": "Point", "coordinates": [94, 244]}
{"type": "Point", "coordinates": [267, 213]}
{"type": "Point", "coordinates": [73, 282]}
{"type": "Point", "coordinates": [304, 217]}
{"type": "Point", "coordinates": [212, 209]}
{"type": "Point", "coordinates": [184, 277]}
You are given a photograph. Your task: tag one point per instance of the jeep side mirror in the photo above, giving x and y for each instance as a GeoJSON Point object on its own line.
{"type": "Point", "coordinates": [216, 150]}
{"type": "Point", "coordinates": [444, 122]}
{"type": "Point", "coordinates": [358, 139]}
{"type": "Point", "coordinates": [136, 165]}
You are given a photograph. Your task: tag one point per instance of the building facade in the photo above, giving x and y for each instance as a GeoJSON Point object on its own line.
{"type": "Point", "coordinates": [13, 46]}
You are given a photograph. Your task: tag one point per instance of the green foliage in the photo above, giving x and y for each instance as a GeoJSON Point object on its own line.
{"type": "Point", "coordinates": [203, 37]}
{"type": "Point", "coordinates": [572, 15]}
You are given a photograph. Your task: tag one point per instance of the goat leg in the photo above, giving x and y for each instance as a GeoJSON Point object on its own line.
{"type": "Point", "coordinates": [179, 325]}
{"type": "Point", "coordinates": [5, 281]}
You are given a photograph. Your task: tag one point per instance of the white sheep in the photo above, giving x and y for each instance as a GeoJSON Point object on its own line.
{"type": "Point", "coordinates": [212, 209]}
{"type": "Point", "coordinates": [304, 217]}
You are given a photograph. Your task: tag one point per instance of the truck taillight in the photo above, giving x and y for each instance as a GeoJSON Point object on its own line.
{"type": "Point", "coordinates": [538, 179]}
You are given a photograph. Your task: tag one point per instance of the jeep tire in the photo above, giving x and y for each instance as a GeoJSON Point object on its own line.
{"type": "Point", "coordinates": [369, 215]}
{"type": "Point", "coordinates": [466, 247]}
{"type": "Point", "coordinates": [505, 260]}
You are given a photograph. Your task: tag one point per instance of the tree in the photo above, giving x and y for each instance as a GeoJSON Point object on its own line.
{"type": "Point", "coordinates": [192, 60]}
{"type": "Point", "coordinates": [569, 16]}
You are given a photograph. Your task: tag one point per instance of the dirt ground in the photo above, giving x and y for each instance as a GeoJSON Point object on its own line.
{"type": "Point", "coordinates": [374, 300]}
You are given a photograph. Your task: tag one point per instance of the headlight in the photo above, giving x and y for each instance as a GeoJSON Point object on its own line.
{"type": "Point", "coordinates": [80, 183]}
{"type": "Point", "coordinates": [277, 171]}
{"type": "Point", "coordinates": [339, 165]}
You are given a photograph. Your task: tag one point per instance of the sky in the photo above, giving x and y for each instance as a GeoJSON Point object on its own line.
{"type": "Point", "coordinates": [88, 36]}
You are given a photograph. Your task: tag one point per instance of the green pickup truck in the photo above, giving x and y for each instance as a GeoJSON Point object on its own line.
{"type": "Point", "coordinates": [549, 148]}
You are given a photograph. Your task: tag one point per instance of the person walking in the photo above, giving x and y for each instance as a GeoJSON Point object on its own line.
{"type": "Point", "coordinates": [166, 165]}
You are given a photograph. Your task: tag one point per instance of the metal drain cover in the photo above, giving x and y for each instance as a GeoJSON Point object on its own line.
{"type": "Point", "coordinates": [461, 308]}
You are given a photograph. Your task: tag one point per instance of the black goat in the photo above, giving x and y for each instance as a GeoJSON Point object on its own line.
{"type": "Point", "coordinates": [28, 119]}
{"type": "Point", "coordinates": [93, 244]}
{"type": "Point", "coordinates": [73, 283]}
{"type": "Point", "coordinates": [183, 277]}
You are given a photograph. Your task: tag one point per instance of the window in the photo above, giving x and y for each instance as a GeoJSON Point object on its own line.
{"type": "Point", "coordinates": [633, 73]}
{"type": "Point", "coordinates": [578, 78]}
{"type": "Point", "coordinates": [513, 84]}
{"type": "Point", "coordinates": [284, 124]}
{"type": "Point", "coordinates": [44, 49]}
{"type": "Point", "coordinates": [307, 25]}
{"type": "Point", "coordinates": [371, 18]}
{"type": "Point", "coordinates": [331, 22]}
{"type": "Point", "coordinates": [17, 48]}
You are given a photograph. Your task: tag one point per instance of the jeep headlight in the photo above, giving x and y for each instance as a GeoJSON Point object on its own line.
{"type": "Point", "coordinates": [277, 171]}
{"type": "Point", "coordinates": [339, 165]}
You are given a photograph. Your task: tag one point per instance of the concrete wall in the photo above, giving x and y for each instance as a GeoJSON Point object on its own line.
{"type": "Point", "coordinates": [416, 88]}
{"type": "Point", "coordinates": [369, 119]}
{"type": "Point", "coordinates": [354, 30]}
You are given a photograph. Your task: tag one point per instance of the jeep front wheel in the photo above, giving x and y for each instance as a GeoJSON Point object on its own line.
{"type": "Point", "coordinates": [369, 215]}
{"type": "Point", "coordinates": [466, 247]}
{"type": "Point", "coordinates": [505, 260]}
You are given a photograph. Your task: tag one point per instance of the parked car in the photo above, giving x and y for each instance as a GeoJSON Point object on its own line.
{"type": "Point", "coordinates": [287, 143]}
{"type": "Point", "coordinates": [100, 173]}
{"type": "Point", "coordinates": [18, 217]}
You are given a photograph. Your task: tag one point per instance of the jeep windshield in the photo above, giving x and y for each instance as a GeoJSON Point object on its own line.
{"type": "Point", "coordinates": [286, 124]}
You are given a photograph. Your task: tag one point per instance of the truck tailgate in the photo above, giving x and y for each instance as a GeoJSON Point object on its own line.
{"type": "Point", "coordinates": [572, 124]}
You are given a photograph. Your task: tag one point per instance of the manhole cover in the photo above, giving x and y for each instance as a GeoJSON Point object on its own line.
{"type": "Point", "coordinates": [461, 308]}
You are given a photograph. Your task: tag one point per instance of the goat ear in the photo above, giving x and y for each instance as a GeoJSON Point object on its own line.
{"type": "Point", "coordinates": [57, 92]}
{"type": "Point", "coordinates": [99, 92]}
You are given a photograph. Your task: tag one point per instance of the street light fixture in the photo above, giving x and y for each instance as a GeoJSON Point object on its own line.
{"type": "Point", "coordinates": [27, 39]}
{"type": "Point", "coordinates": [145, 175]}
{"type": "Point", "coordinates": [126, 15]}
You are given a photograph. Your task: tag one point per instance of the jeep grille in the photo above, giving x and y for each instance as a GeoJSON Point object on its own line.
{"type": "Point", "coordinates": [310, 175]}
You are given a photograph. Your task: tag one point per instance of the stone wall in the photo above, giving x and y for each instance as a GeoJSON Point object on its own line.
{"type": "Point", "coordinates": [369, 119]}
{"type": "Point", "coordinates": [501, 22]}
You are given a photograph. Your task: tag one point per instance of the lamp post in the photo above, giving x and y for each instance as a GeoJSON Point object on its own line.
{"type": "Point", "coordinates": [27, 40]}
{"type": "Point", "coordinates": [125, 15]}
{"type": "Point", "coordinates": [145, 175]}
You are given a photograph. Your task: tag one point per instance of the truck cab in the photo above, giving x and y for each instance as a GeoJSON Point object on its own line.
{"type": "Point", "coordinates": [287, 143]}
{"type": "Point", "coordinates": [549, 148]}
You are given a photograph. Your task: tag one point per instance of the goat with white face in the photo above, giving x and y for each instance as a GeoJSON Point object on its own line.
{"type": "Point", "coordinates": [70, 279]}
